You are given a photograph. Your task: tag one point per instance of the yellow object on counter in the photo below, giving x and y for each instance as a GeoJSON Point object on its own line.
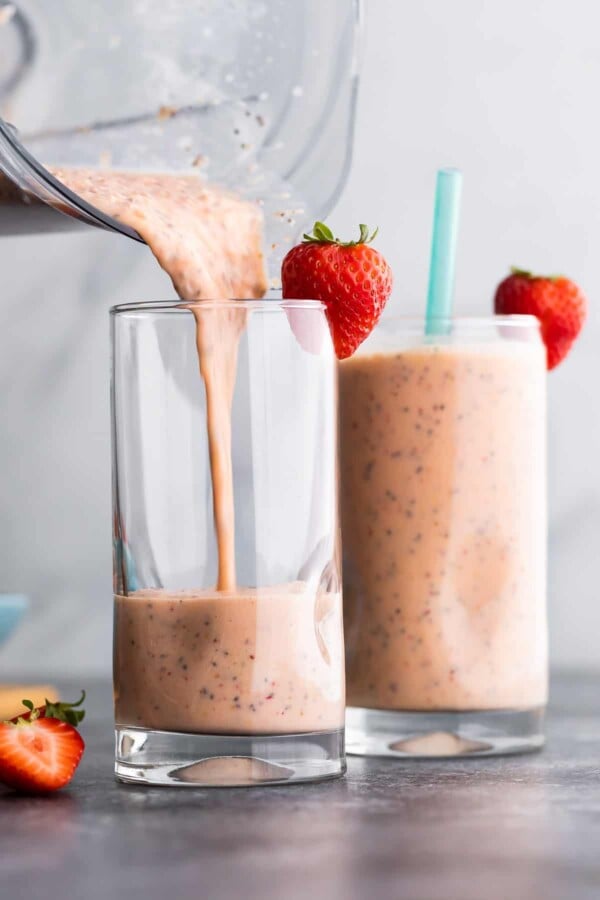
{"type": "Point", "coordinates": [12, 696]}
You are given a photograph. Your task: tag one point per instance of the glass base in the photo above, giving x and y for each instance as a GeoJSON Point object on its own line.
{"type": "Point", "coordinates": [205, 760]}
{"type": "Point", "coordinates": [372, 732]}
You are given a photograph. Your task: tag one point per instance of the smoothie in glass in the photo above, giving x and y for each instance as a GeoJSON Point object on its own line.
{"type": "Point", "coordinates": [266, 661]}
{"type": "Point", "coordinates": [228, 642]}
{"type": "Point", "coordinates": [444, 519]}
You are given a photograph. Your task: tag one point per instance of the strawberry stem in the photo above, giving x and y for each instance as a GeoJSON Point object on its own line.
{"type": "Point", "coordinates": [66, 712]}
{"type": "Point", "coordinates": [524, 273]}
{"type": "Point", "coordinates": [322, 234]}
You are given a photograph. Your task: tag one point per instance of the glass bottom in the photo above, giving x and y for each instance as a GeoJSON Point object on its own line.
{"type": "Point", "coordinates": [205, 760]}
{"type": "Point", "coordinates": [414, 735]}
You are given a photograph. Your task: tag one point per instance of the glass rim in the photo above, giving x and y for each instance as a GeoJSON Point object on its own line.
{"type": "Point", "coordinates": [518, 320]}
{"type": "Point", "coordinates": [183, 306]}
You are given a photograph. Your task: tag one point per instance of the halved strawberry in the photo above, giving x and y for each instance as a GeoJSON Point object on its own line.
{"type": "Point", "coordinates": [38, 752]}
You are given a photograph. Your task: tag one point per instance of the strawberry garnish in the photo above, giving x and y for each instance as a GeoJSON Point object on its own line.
{"type": "Point", "coordinates": [351, 278]}
{"type": "Point", "coordinates": [557, 302]}
{"type": "Point", "coordinates": [40, 750]}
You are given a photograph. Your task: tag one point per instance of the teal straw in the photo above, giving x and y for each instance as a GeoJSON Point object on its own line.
{"type": "Point", "coordinates": [443, 250]}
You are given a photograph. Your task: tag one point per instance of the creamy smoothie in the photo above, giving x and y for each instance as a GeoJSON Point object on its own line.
{"type": "Point", "coordinates": [207, 240]}
{"type": "Point", "coordinates": [443, 525]}
{"type": "Point", "coordinates": [248, 662]}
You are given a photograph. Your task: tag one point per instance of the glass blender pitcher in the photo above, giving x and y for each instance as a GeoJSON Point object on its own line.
{"type": "Point", "coordinates": [256, 95]}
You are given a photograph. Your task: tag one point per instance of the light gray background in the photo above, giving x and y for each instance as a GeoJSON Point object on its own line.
{"type": "Point", "coordinates": [508, 92]}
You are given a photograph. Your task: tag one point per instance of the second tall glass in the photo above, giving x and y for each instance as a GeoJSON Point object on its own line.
{"type": "Point", "coordinates": [444, 537]}
{"type": "Point", "coordinates": [228, 653]}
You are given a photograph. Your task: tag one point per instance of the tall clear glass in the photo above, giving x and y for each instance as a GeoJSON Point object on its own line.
{"type": "Point", "coordinates": [228, 641]}
{"type": "Point", "coordinates": [443, 496]}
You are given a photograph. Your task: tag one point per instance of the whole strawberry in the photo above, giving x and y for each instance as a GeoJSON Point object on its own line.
{"type": "Point", "coordinates": [352, 279]}
{"type": "Point", "coordinates": [557, 302]}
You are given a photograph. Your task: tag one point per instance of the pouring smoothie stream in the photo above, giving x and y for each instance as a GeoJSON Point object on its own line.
{"type": "Point", "coordinates": [210, 243]}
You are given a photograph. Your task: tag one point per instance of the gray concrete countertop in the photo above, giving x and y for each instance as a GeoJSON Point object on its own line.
{"type": "Point", "coordinates": [488, 829]}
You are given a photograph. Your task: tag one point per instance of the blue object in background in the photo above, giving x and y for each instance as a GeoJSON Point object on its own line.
{"type": "Point", "coordinates": [123, 556]}
{"type": "Point", "coordinates": [12, 610]}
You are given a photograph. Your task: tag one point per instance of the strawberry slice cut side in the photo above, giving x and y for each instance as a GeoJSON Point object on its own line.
{"type": "Point", "coordinates": [39, 756]}
{"type": "Point", "coordinates": [40, 750]}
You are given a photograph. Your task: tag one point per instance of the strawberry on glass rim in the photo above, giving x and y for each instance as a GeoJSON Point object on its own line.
{"type": "Point", "coordinates": [351, 278]}
{"type": "Point", "coordinates": [40, 749]}
{"type": "Point", "coordinates": [559, 304]}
